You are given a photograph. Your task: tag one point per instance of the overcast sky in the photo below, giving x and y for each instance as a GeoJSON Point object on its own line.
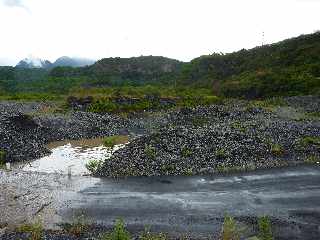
{"type": "Point", "coordinates": [181, 29]}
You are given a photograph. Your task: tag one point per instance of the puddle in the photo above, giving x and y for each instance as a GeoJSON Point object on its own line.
{"type": "Point", "coordinates": [71, 154]}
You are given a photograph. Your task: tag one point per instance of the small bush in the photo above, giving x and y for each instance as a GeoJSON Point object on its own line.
{"type": "Point", "coordinates": [94, 165]}
{"type": "Point", "coordinates": [36, 230]}
{"type": "Point", "coordinates": [230, 230]}
{"type": "Point", "coordinates": [119, 232]}
{"type": "Point", "coordinates": [222, 153]}
{"type": "Point", "coordinates": [2, 157]}
{"type": "Point", "coordinates": [150, 151]}
{"type": "Point", "coordinates": [308, 141]}
{"type": "Point", "coordinates": [265, 232]}
{"type": "Point", "coordinates": [114, 140]}
{"type": "Point", "coordinates": [277, 150]}
{"type": "Point", "coordinates": [185, 152]}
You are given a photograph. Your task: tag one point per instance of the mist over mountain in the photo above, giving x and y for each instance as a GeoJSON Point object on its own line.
{"type": "Point", "coordinates": [72, 62]}
{"type": "Point", "coordinates": [32, 62]}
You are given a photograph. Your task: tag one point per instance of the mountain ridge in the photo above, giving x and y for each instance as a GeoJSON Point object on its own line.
{"type": "Point", "coordinates": [64, 61]}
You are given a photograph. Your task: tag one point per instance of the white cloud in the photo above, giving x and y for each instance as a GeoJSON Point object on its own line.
{"type": "Point", "coordinates": [182, 29]}
{"type": "Point", "coordinates": [15, 3]}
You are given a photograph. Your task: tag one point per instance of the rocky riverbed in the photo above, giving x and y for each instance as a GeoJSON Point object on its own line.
{"type": "Point", "coordinates": [236, 135]}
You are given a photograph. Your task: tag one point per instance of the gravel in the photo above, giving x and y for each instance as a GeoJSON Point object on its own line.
{"type": "Point", "coordinates": [204, 140]}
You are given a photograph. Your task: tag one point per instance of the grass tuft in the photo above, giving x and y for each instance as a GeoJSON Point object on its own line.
{"type": "Point", "coordinates": [35, 230]}
{"type": "Point", "coordinates": [119, 232]}
{"type": "Point", "coordinates": [115, 140]}
{"type": "Point", "coordinates": [265, 232]}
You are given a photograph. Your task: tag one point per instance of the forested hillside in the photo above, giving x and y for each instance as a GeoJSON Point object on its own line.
{"type": "Point", "coordinates": [290, 67]}
{"type": "Point", "coordinates": [286, 68]}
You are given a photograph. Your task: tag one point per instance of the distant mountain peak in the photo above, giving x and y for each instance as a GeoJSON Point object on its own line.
{"type": "Point", "coordinates": [34, 62]}
{"type": "Point", "coordinates": [64, 61]}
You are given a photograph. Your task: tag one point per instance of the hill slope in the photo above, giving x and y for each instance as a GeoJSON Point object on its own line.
{"type": "Point", "coordinates": [288, 67]}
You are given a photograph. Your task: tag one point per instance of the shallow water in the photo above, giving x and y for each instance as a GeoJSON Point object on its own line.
{"type": "Point", "coordinates": [71, 155]}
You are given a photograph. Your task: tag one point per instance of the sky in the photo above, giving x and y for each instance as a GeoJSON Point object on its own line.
{"type": "Point", "coordinates": [180, 29]}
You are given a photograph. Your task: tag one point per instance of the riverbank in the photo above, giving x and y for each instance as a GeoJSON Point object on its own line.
{"type": "Point", "coordinates": [234, 136]}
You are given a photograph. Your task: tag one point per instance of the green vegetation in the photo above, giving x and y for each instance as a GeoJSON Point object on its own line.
{"type": "Point", "coordinates": [265, 232]}
{"type": "Point", "coordinates": [277, 150]}
{"type": "Point", "coordinates": [147, 235]}
{"type": "Point", "coordinates": [313, 159]}
{"type": "Point", "coordinates": [119, 232]}
{"type": "Point", "coordinates": [35, 230]}
{"type": "Point", "coordinates": [185, 152]}
{"type": "Point", "coordinates": [93, 165]}
{"type": "Point", "coordinates": [78, 227]}
{"type": "Point", "coordinates": [268, 104]}
{"type": "Point", "coordinates": [290, 67]}
{"type": "Point", "coordinates": [310, 141]}
{"type": "Point", "coordinates": [115, 140]}
{"type": "Point", "coordinates": [150, 151]}
{"type": "Point", "coordinates": [2, 157]}
{"type": "Point", "coordinates": [222, 153]}
{"type": "Point", "coordinates": [239, 126]}
{"type": "Point", "coordinates": [230, 229]}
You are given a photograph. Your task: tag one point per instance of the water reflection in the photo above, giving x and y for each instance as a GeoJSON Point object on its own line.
{"type": "Point", "coordinates": [71, 155]}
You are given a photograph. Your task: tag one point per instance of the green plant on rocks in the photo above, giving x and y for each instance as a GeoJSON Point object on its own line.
{"type": "Point", "coordinates": [230, 229]}
{"type": "Point", "coordinates": [277, 150]}
{"type": "Point", "coordinates": [150, 151]}
{"type": "Point", "coordinates": [78, 227]}
{"type": "Point", "coordinates": [147, 235]}
{"type": "Point", "coordinates": [313, 159]}
{"type": "Point", "coordinates": [186, 152]}
{"type": "Point", "coordinates": [119, 232]}
{"type": "Point", "coordinates": [265, 232]}
{"type": "Point", "coordinates": [238, 126]}
{"type": "Point", "coordinates": [222, 153]}
{"type": "Point", "coordinates": [93, 165]}
{"type": "Point", "coordinates": [114, 140]}
{"type": "Point", "coordinates": [309, 141]}
{"type": "Point", "coordinates": [2, 157]}
{"type": "Point", "coordinates": [35, 230]}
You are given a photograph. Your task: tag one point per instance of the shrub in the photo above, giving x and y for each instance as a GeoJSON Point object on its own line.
{"type": "Point", "coordinates": [150, 151]}
{"type": "Point", "coordinates": [119, 232]}
{"type": "Point", "coordinates": [114, 140]}
{"type": "Point", "coordinates": [35, 229]}
{"type": "Point", "coordinates": [277, 150]}
{"type": "Point", "coordinates": [185, 152]}
{"type": "Point", "coordinates": [94, 165]}
{"type": "Point", "coordinates": [2, 157]}
{"type": "Point", "coordinates": [307, 141]}
{"type": "Point", "coordinates": [222, 153]}
{"type": "Point", "coordinates": [230, 230]}
{"type": "Point", "coordinates": [265, 232]}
